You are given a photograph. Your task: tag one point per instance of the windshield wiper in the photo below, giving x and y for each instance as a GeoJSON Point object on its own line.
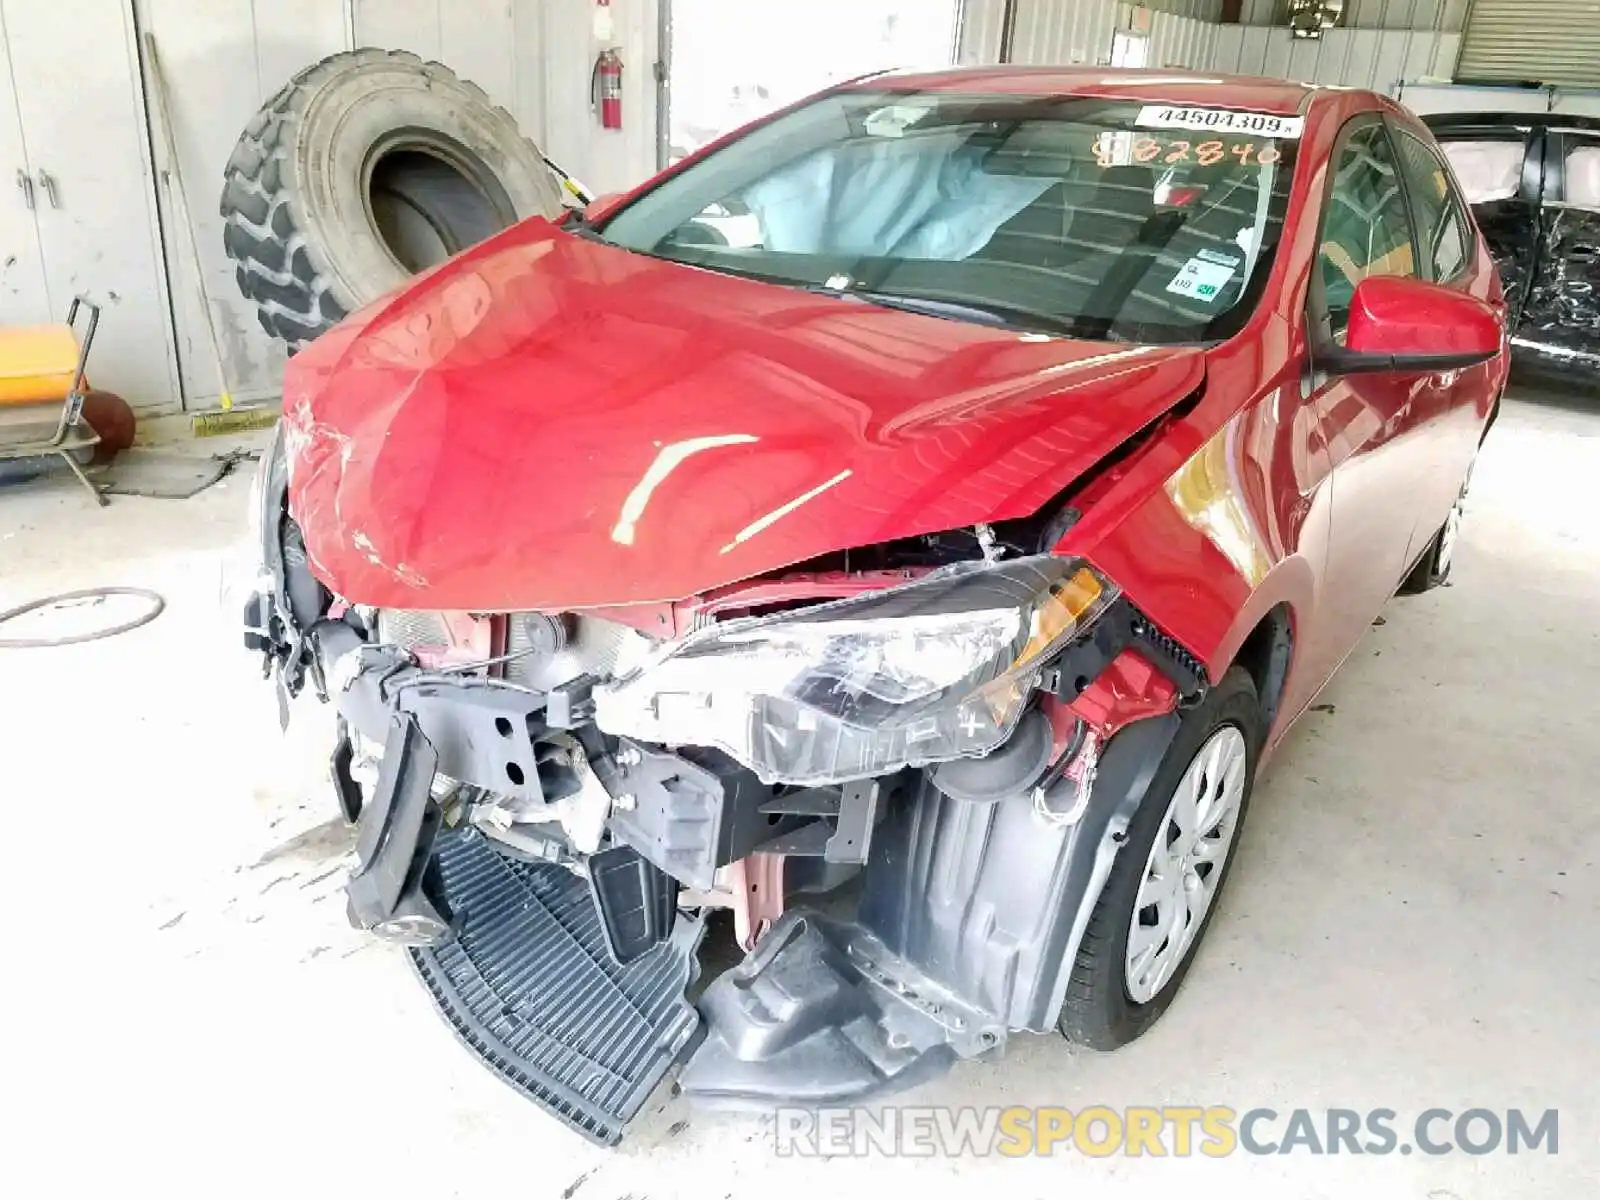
{"type": "Point", "coordinates": [986, 313]}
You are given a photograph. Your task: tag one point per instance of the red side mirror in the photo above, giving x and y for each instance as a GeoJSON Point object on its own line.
{"type": "Point", "coordinates": [1400, 324]}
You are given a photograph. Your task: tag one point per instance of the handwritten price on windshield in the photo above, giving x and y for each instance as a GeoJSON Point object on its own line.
{"type": "Point", "coordinates": [1179, 150]}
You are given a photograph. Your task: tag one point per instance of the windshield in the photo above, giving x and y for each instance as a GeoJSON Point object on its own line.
{"type": "Point", "coordinates": [1091, 218]}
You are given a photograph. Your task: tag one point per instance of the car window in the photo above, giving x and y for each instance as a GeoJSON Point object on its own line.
{"type": "Point", "coordinates": [1441, 226]}
{"type": "Point", "coordinates": [1366, 229]}
{"type": "Point", "coordinates": [1580, 172]}
{"type": "Point", "coordinates": [1489, 168]}
{"type": "Point", "coordinates": [1060, 214]}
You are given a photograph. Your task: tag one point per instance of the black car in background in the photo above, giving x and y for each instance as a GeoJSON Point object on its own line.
{"type": "Point", "coordinates": [1533, 180]}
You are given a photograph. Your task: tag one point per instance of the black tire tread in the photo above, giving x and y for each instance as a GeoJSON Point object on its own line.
{"type": "Point", "coordinates": [276, 268]}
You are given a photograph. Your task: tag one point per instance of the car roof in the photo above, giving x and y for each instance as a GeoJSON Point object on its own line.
{"type": "Point", "coordinates": [1198, 88]}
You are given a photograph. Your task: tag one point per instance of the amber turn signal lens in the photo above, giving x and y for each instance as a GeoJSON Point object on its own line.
{"type": "Point", "coordinates": [1055, 616]}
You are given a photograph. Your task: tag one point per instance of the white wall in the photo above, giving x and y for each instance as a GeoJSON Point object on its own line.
{"type": "Point", "coordinates": [1078, 32]}
{"type": "Point", "coordinates": [982, 28]}
{"type": "Point", "coordinates": [535, 57]}
{"type": "Point", "coordinates": [224, 58]}
{"type": "Point", "coordinates": [1380, 44]}
{"type": "Point", "coordinates": [1383, 42]}
{"type": "Point", "coordinates": [1379, 59]}
{"type": "Point", "coordinates": [1049, 32]}
{"type": "Point", "coordinates": [1449, 15]}
{"type": "Point", "coordinates": [555, 93]}
{"type": "Point", "coordinates": [220, 64]}
{"type": "Point", "coordinates": [1177, 41]}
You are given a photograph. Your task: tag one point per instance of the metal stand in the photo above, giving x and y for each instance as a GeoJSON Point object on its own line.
{"type": "Point", "coordinates": [71, 433]}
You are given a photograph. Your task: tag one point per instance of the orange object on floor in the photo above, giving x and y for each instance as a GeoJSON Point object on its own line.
{"type": "Point", "coordinates": [38, 364]}
{"type": "Point", "coordinates": [42, 392]}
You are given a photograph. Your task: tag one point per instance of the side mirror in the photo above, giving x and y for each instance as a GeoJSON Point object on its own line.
{"type": "Point", "coordinates": [602, 207]}
{"type": "Point", "coordinates": [1400, 324]}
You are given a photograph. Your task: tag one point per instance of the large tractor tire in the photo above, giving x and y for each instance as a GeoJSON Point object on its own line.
{"type": "Point", "coordinates": [365, 169]}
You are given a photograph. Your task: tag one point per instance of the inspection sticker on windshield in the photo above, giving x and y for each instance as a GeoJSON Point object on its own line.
{"type": "Point", "coordinates": [1204, 276]}
{"type": "Point", "coordinates": [1218, 120]}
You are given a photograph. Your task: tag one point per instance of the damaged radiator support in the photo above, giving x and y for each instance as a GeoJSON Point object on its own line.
{"type": "Point", "coordinates": [690, 813]}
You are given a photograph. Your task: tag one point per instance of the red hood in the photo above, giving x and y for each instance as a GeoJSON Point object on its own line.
{"type": "Point", "coordinates": [550, 422]}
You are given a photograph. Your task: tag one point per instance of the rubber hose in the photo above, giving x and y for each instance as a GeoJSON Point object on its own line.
{"type": "Point", "coordinates": [158, 604]}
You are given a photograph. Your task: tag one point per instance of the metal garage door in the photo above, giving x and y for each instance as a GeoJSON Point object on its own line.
{"type": "Point", "coordinates": [1544, 41]}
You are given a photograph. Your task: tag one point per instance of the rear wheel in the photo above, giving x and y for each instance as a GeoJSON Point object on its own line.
{"type": "Point", "coordinates": [1164, 885]}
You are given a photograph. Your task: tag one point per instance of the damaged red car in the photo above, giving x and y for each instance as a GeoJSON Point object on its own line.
{"type": "Point", "coordinates": [910, 524]}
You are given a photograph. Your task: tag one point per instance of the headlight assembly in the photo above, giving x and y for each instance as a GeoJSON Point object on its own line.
{"type": "Point", "coordinates": [935, 670]}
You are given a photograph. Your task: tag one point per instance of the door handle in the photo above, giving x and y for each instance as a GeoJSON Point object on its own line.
{"type": "Point", "coordinates": [25, 183]}
{"type": "Point", "coordinates": [48, 182]}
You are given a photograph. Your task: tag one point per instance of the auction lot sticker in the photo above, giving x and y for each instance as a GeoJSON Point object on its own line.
{"type": "Point", "coordinates": [1219, 120]}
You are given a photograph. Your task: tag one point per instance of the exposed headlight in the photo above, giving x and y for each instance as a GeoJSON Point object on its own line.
{"type": "Point", "coordinates": [935, 670]}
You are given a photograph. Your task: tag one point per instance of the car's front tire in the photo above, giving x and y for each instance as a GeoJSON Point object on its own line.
{"type": "Point", "coordinates": [1164, 885]}
{"type": "Point", "coordinates": [1433, 568]}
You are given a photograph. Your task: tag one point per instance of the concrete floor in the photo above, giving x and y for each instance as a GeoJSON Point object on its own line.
{"type": "Point", "coordinates": [1412, 922]}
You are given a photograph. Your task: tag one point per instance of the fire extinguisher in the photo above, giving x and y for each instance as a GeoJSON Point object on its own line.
{"type": "Point", "coordinates": [606, 89]}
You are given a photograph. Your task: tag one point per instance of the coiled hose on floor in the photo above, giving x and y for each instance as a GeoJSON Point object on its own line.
{"type": "Point", "coordinates": [157, 604]}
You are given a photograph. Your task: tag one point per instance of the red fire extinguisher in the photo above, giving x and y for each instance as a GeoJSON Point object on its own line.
{"type": "Point", "coordinates": [606, 89]}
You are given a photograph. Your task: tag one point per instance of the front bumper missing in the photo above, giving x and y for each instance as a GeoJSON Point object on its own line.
{"type": "Point", "coordinates": [571, 989]}
{"type": "Point", "coordinates": [969, 920]}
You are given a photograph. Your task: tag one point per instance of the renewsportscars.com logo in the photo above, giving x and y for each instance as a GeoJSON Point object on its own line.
{"type": "Point", "coordinates": [1100, 1131]}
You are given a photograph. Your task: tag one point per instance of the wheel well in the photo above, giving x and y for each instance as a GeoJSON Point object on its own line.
{"type": "Point", "coordinates": [1266, 654]}
{"type": "Point", "coordinates": [1494, 415]}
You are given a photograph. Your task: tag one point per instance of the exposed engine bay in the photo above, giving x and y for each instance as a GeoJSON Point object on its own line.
{"type": "Point", "coordinates": [539, 794]}
{"type": "Point", "coordinates": [550, 804]}
{"type": "Point", "coordinates": [563, 736]}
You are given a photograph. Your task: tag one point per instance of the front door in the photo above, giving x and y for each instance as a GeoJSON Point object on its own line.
{"type": "Point", "coordinates": [1366, 230]}
{"type": "Point", "coordinates": [1444, 417]}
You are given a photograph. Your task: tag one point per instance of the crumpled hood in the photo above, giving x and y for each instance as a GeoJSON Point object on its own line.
{"type": "Point", "coordinates": [550, 422]}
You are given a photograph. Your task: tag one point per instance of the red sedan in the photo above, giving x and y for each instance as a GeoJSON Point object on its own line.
{"type": "Point", "coordinates": [941, 496]}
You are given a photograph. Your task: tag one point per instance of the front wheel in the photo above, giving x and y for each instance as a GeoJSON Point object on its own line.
{"type": "Point", "coordinates": [1164, 884]}
{"type": "Point", "coordinates": [1433, 568]}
